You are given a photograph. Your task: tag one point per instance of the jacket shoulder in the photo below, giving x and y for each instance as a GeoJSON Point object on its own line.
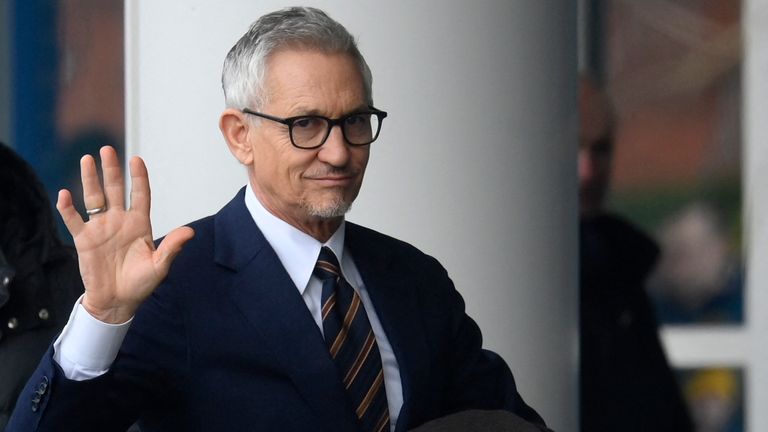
{"type": "Point", "coordinates": [366, 237]}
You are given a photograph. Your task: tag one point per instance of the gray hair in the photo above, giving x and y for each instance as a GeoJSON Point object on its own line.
{"type": "Point", "coordinates": [296, 27]}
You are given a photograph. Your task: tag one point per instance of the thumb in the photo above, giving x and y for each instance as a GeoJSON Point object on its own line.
{"type": "Point", "coordinates": [170, 247]}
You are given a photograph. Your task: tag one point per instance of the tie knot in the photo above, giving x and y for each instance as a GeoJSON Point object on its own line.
{"type": "Point", "coordinates": [327, 266]}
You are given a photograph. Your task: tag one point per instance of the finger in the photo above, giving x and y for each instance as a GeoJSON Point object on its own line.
{"type": "Point", "coordinates": [140, 193]}
{"type": "Point", "coordinates": [170, 247]}
{"type": "Point", "coordinates": [113, 178]}
{"type": "Point", "coordinates": [68, 213]}
{"type": "Point", "coordinates": [93, 196]}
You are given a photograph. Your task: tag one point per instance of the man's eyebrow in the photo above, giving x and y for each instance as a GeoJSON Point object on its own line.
{"type": "Point", "coordinates": [303, 111]}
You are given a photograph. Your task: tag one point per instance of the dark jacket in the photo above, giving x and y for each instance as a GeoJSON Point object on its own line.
{"type": "Point", "coordinates": [39, 278]}
{"type": "Point", "coordinates": [626, 382]}
{"type": "Point", "coordinates": [226, 343]}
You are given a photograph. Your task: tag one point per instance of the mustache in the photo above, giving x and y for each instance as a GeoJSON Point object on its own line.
{"type": "Point", "coordinates": [331, 171]}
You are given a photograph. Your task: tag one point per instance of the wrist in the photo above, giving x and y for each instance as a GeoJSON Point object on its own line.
{"type": "Point", "coordinates": [109, 315]}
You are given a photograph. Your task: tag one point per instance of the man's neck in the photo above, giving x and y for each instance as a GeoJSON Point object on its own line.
{"type": "Point", "coordinates": [319, 228]}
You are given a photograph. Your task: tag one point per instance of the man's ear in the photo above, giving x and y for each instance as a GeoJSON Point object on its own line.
{"type": "Point", "coordinates": [236, 128]}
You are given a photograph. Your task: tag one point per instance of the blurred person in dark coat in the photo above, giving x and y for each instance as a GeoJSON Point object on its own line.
{"type": "Point", "coordinates": [39, 278]}
{"type": "Point", "coordinates": [626, 382]}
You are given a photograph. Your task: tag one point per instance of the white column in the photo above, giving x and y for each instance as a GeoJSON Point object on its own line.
{"type": "Point", "coordinates": [475, 164]}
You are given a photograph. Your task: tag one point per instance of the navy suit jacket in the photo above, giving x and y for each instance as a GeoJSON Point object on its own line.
{"type": "Point", "coordinates": [226, 343]}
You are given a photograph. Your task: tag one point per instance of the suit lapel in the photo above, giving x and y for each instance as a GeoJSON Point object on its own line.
{"type": "Point", "coordinates": [262, 290]}
{"type": "Point", "coordinates": [397, 307]}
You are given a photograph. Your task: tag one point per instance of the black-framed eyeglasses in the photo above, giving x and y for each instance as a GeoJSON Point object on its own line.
{"type": "Point", "coordinates": [310, 131]}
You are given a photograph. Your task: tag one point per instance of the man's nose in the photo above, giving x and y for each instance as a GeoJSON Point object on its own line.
{"type": "Point", "coordinates": [335, 150]}
{"type": "Point", "coordinates": [586, 167]}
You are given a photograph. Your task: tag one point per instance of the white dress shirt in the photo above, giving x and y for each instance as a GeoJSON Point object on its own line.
{"type": "Point", "coordinates": [87, 347]}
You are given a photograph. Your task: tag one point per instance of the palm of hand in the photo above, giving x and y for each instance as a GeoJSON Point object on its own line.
{"type": "Point", "coordinates": [119, 264]}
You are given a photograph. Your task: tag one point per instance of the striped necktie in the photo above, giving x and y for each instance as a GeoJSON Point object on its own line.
{"type": "Point", "coordinates": [352, 345]}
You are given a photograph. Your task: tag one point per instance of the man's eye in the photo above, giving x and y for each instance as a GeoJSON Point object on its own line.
{"type": "Point", "coordinates": [355, 119]}
{"type": "Point", "coordinates": [304, 122]}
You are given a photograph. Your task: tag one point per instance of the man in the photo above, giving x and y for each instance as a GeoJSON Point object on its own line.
{"type": "Point", "coordinates": [626, 383]}
{"type": "Point", "coordinates": [278, 315]}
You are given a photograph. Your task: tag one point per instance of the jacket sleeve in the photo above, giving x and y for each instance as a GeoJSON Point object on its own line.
{"type": "Point", "coordinates": [474, 378]}
{"type": "Point", "coordinates": [140, 377]}
{"type": "Point", "coordinates": [51, 402]}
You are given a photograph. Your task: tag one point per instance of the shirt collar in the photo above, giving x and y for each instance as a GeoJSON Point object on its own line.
{"type": "Point", "coordinates": [297, 250]}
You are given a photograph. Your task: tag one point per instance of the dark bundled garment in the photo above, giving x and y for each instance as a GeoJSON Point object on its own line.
{"type": "Point", "coordinates": [626, 382]}
{"type": "Point", "coordinates": [39, 277]}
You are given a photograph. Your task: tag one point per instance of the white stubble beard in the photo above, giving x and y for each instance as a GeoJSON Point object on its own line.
{"type": "Point", "coordinates": [328, 210]}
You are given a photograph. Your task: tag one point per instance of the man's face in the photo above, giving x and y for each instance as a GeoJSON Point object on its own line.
{"type": "Point", "coordinates": [308, 186]}
{"type": "Point", "coordinates": [595, 151]}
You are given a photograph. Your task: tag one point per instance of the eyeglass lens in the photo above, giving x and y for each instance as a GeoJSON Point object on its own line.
{"type": "Point", "coordinates": [358, 129]}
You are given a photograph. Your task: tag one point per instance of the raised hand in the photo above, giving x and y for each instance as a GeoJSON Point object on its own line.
{"type": "Point", "coordinates": [119, 264]}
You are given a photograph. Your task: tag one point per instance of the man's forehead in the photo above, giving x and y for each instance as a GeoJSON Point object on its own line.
{"type": "Point", "coordinates": [313, 81]}
{"type": "Point", "coordinates": [290, 56]}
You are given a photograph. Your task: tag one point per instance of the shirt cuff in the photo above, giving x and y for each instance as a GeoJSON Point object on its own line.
{"type": "Point", "coordinates": [87, 347]}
